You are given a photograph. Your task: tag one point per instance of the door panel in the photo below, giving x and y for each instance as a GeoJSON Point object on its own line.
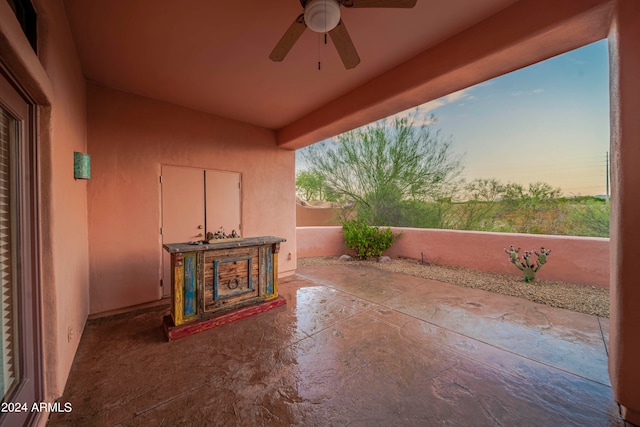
{"type": "Point", "coordinates": [182, 211]}
{"type": "Point", "coordinates": [182, 204]}
{"type": "Point", "coordinates": [223, 201]}
{"type": "Point", "coordinates": [195, 201]}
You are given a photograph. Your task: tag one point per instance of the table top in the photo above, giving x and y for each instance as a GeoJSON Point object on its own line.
{"type": "Point", "coordinates": [222, 244]}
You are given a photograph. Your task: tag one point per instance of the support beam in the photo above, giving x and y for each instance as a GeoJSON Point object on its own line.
{"type": "Point", "coordinates": [525, 33]}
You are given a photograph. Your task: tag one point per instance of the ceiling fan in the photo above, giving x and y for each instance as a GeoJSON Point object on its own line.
{"type": "Point", "coordinates": [323, 16]}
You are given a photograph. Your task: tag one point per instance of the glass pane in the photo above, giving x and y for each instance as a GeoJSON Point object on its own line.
{"type": "Point", "coordinates": [8, 295]}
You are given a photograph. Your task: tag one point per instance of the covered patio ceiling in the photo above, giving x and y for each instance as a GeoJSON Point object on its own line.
{"type": "Point", "coordinates": [213, 56]}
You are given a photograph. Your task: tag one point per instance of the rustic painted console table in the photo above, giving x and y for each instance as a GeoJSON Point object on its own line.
{"type": "Point", "coordinates": [222, 281]}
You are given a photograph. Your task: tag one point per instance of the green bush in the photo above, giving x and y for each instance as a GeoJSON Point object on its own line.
{"type": "Point", "coordinates": [367, 241]}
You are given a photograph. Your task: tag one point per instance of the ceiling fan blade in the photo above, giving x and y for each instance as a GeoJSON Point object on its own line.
{"type": "Point", "coordinates": [289, 38]}
{"type": "Point", "coordinates": [379, 3]}
{"type": "Point", "coordinates": [344, 46]}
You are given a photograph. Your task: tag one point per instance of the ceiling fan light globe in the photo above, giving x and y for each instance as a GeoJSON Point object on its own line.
{"type": "Point", "coordinates": [322, 16]}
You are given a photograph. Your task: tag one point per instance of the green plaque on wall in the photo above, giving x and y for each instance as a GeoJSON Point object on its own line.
{"type": "Point", "coordinates": [81, 165]}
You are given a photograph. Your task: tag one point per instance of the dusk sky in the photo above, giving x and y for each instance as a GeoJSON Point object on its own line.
{"type": "Point", "coordinates": [548, 122]}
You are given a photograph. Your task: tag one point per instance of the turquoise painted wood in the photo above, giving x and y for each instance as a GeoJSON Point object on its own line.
{"type": "Point", "coordinates": [189, 284]}
{"type": "Point", "coordinates": [216, 277]}
{"type": "Point", "coordinates": [269, 262]}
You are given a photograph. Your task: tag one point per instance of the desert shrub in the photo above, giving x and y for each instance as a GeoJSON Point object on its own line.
{"type": "Point", "coordinates": [590, 217]}
{"type": "Point", "coordinates": [366, 240]}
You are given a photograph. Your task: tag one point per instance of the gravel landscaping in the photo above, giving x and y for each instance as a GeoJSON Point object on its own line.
{"type": "Point", "coordinates": [575, 297]}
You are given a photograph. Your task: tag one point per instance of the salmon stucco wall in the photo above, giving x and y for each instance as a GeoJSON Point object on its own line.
{"type": "Point", "coordinates": [67, 225]}
{"type": "Point", "coordinates": [580, 260]}
{"type": "Point", "coordinates": [624, 345]}
{"type": "Point", "coordinates": [54, 81]}
{"type": "Point", "coordinates": [130, 138]}
{"type": "Point", "coordinates": [310, 216]}
{"type": "Point", "coordinates": [320, 241]}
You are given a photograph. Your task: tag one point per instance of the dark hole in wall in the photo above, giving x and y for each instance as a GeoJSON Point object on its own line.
{"type": "Point", "coordinates": [26, 15]}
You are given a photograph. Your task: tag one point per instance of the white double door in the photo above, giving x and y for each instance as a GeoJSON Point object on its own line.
{"type": "Point", "coordinates": [196, 201]}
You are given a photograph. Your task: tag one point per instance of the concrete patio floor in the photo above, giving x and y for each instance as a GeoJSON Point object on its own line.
{"type": "Point", "coordinates": [352, 346]}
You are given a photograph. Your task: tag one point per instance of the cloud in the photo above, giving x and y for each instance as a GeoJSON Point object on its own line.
{"type": "Point", "coordinates": [422, 116]}
{"type": "Point", "coordinates": [527, 92]}
{"type": "Point", "coordinates": [486, 83]}
{"type": "Point", "coordinates": [432, 105]}
{"type": "Point", "coordinates": [424, 110]}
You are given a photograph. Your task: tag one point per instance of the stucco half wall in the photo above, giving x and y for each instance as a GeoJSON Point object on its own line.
{"type": "Point", "coordinates": [579, 260]}
{"type": "Point", "coordinates": [310, 215]}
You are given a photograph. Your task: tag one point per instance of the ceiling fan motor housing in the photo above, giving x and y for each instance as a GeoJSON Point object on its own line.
{"type": "Point", "coordinates": [322, 16]}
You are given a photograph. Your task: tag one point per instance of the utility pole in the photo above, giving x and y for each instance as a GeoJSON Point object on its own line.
{"type": "Point", "coordinates": [608, 175]}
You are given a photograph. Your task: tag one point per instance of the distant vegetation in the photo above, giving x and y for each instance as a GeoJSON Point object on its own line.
{"type": "Point", "coordinates": [576, 216]}
{"type": "Point", "coordinates": [491, 206]}
{"type": "Point", "coordinates": [398, 173]}
{"type": "Point", "coordinates": [568, 216]}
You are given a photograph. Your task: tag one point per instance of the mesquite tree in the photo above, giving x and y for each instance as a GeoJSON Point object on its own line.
{"type": "Point", "coordinates": [385, 164]}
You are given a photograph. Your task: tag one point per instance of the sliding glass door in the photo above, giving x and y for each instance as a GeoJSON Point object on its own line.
{"type": "Point", "coordinates": [9, 128]}
{"type": "Point", "coordinates": [20, 353]}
